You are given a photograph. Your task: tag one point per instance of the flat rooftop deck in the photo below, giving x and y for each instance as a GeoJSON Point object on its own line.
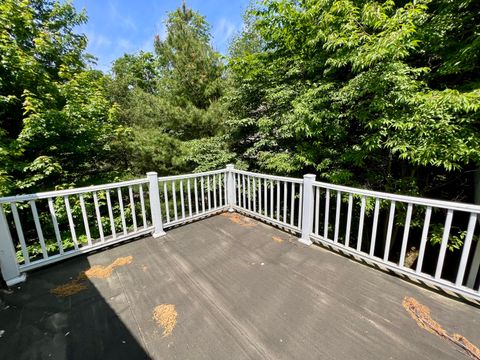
{"type": "Point", "coordinates": [241, 290]}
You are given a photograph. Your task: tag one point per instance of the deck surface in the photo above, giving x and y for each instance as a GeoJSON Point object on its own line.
{"type": "Point", "coordinates": [241, 291]}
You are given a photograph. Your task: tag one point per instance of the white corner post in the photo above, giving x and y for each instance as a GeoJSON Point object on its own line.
{"type": "Point", "coordinates": [307, 209]}
{"type": "Point", "coordinates": [155, 208]}
{"type": "Point", "coordinates": [230, 187]}
{"type": "Point", "coordinates": [8, 259]}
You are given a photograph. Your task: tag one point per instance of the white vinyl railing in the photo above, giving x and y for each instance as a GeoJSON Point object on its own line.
{"type": "Point", "coordinates": [52, 226]}
{"type": "Point", "coordinates": [383, 229]}
{"type": "Point", "coordinates": [188, 197]}
{"type": "Point", "coordinates": [435, 242]}
{"type": "Point", "coordinates": [275, 199]}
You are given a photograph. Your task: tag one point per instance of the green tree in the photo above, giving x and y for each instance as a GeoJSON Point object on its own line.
{"type": "Point", "coordinates": [172, 100]}
{"type": "Point", "coordinates": [368, 93]}
{"type": "Point", "coordinates": [56, 124]}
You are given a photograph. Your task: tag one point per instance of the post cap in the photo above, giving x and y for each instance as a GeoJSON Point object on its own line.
{"type": "Point", "coordinates": [309, 176]}
{"type": "Point", "coordinates": [230, 166]}
{"type": "Point", "coordinates": [152, 173]}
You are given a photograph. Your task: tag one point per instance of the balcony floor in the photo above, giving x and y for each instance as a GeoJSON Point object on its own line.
{"type": "Point", "coordinates": [241, 291]}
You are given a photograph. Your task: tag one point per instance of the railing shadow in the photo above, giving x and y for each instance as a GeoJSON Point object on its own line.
{"type": "Point", "coordinates": [38, 324]}
{"type": "Point", "coordinates": [411, 280]}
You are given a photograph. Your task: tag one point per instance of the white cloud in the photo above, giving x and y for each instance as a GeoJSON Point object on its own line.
{"type": "Point", "coordinates": [115, 15]}
{"type": "Point", "coordinates": [97, 41]}
{"type": "Point", "coordinates": [147, 45]}
{"type": "Point", "coordinates": [124, 44]}
{"type": "Point", "coordinates": [222, 32]}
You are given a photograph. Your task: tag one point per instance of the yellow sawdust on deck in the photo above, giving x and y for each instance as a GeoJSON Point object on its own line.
{"type": "Point", "coordinates": [239, 219]}
{"type": "Point", "coordinates": [166, 316]}
{"type": "Point", "coordinates": [101, 272]}
{"type": "Point", "coordinates": [70, 288]}
{"type": "Point", "coordinates": [421, 314]}
{"type": "Point", "coordinates": [277, 239]}
{"type": "Point", "coordinates": [97, 271]}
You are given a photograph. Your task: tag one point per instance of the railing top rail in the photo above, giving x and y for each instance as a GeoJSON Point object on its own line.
{"type": "Point", "coordinates": [191, 175]}
{"type": "Point", "coordinates": [403, 198]}
{"type": "Point", "coordinates": [75, 191]}
{"type": "Point", "coordinates": [269, 177]}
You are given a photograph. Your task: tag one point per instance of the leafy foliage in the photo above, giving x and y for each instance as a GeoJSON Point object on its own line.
{"type": "Point", "coordinates": [361, 92]}
{"type": "Point", "coordinates": [171, 100]}
{"type": "Point", "coordinates": [55, 119]}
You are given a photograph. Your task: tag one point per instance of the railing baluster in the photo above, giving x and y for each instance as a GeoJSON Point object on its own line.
{"type": "Point", "coordinates": [285, 196]}
{"type": "Point", "coordinates": [349, 219]}
{"type": "Point", "coordinates": [174, 198]}
{"type": "Point", "coordinates": [53, 216]}
{"type": "Point", "coordinates": [424, 238]}
{"type": "Point", "coordinates": [259, 195]}
{"type": "Point", "coordinates": [374, 226]}
{"type": "Point", "coordinates": [202, 187]}
{"type": "Point", "coordinates": [466, 249]}
{"type": "Point", "coordinates": [317, 209]}
{"type": "Point", "coordinates": [208, 193]}
{"type": "Point", "coordinates": [278, 200]}
{"type": "Point", "coordinates": [225, 188]}
{"type": "Point", "coordinates": [189, 193]}
{"type": "Point", "coordinates": [327, 214]}
{"type": "Point", "coordinates": [300, 205]}
{"type": "Point", "coordinates": [38, 227]}
{"type": "Point", "coordinates": [110, 214]}
{"type": "Point", "coordinates": [99, 217]}
{"type": "Point", "coordinates": [244, 192]}
{"type": "Point", "coordinates": [122, 211]}
{"type": "Point", "coordinates": [265, 197]}
{"type": "Point", "coordinates": [70, 222]}
{"type": "Point", "coordinates": [388, 239]}
{"type": "Point", "coordinates": [220, 189]}
{"type": "Point", "coordinates": [360, 223]}
{"type": "Point", "coordinates": [337, 215]}
{"type": "Point", "coordinates": [167, 205]}
{"type": "Point", "coordinates": [21, 237]}
{"type": "Point", "coordinates": [182, 199]}
{"type": "Point", "coordinates": [292, 203]}
{"type": "Point", "coordinates": [254, 194]}
{"type": "Point", "coordinates": [85, 219]}
{"type": "Point", "coordinates": [443, 246]}
{"type": "Point", "coordinates": [132, 208]}
{"type": "Point", "coordinates": [142, 206]}
{"type": "Point", "coordinates": [249, 194]}
{"type": "Point", "coordinates": [214, 192]}
{"type": "Point", "coordinates": [406, 231]}
{"type": "Point", "coordinates": [272, 215]}
{"type": "Point", "coordinates": [474, 266]}
{"type": "Point", "coordinates": [238, 187]}
{"type": "Point", "coordinates": [196, 195]}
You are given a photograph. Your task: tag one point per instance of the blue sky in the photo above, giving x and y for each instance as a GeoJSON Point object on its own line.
{"type": "Point", "coordinates": [116, 27]}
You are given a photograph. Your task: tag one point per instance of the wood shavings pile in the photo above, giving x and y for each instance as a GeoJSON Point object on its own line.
{"type": "Point", "coordinates": [97, 271]}
{"type": "Point", "coordinates": [70, 288]}
{"type": "Point", "coordinates": [239, 219]}
{"type": "Point", "coordinates": [277, 239]}
{"type": "Point", "coordinates": [102, 272]}
{"type": "Point", "coordinates": [166, 316]}
{"type": "Point", "coordinates": [421, 314]}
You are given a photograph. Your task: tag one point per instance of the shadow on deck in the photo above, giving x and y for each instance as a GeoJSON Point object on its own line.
{"type": "Point", "coordinates": [241, 290]}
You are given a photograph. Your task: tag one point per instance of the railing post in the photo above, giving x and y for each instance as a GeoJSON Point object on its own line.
{"type": "Point", "coordinates": [8, 259]}
{"type": "Point", "coordinates": [307, 209]}
{"type": "Point", "coordinates": [155, 208]}
{"type": "Point", "coordinates": [230, 187]}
